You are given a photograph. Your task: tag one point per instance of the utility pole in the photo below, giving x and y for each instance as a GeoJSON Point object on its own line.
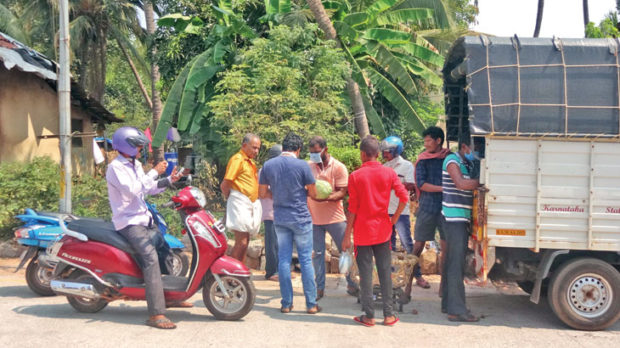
{"type": "Point", "coordinates": [64, 108]}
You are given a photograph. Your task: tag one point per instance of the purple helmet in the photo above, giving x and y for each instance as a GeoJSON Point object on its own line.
{"type": "Point", "coordinates": [127, 139]}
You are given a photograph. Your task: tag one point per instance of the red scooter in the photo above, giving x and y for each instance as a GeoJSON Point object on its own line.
{"type": "Point", "coordinates": [96, 265]}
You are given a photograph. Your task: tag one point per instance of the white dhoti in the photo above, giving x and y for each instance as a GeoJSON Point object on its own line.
{"type": "Point", "coordinates": [242, 214]}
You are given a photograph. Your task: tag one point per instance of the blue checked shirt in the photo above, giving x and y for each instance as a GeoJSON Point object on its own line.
{"type": "Point", "coordinates": [429, 171]}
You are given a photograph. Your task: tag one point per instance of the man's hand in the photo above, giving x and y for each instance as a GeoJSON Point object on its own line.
{"type": "Point", "coordinates": [346, 244]}
{"type": "Point", "coordinates": [394, 219]}
{"type": "Point", "coordinates": [176, 175]}
{"type": "Point", "coordinates": [160, 168]}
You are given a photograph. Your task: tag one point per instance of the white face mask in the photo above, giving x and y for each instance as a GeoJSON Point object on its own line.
{"type": "Point", "coordinates": [316, 156]}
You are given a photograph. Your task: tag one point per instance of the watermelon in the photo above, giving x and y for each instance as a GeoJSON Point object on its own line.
{"type": "Point", "coordinates": [323, 189]}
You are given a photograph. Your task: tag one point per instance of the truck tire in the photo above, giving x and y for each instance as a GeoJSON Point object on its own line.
{"type": "Point", "coordinates": [584, 293]}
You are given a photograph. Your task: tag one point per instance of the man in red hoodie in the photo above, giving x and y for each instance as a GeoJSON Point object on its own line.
{"type": "Point", "coordinates": [369, 196]}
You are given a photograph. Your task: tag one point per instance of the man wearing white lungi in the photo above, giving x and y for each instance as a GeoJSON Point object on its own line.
{"type": "Point", "coordinates": [240, 188]}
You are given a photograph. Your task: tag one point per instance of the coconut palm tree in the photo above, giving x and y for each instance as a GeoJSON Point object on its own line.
{"type": "Point", "coordinates": [92, 24]}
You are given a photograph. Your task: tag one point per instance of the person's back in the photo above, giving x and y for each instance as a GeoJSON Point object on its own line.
{"type": "Point", "coordinates": [288, 177]}
{"type": "Point", "coordinates": [369, 189]}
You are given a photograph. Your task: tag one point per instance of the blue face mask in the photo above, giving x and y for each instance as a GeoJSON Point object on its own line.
{"type": "Point", "coordinates": [316, 157]}
{"type": "Point", "coordinates": [470, 156]}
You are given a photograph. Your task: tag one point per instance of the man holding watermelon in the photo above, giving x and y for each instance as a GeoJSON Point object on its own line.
{"type": "Point", "coordinates": [327, 210]}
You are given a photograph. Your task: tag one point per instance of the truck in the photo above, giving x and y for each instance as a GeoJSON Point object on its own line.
{"type": "Point", "coordinates": [543, 116]}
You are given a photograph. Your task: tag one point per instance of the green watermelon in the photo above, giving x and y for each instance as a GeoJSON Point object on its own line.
{"type": "Point", "coordinates": [323, 189]}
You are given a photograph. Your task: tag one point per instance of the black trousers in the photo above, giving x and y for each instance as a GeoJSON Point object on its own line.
{"type": "Point", "coordinates": [453, 290]}
{"type": "Point", "coordinates": [383, 258]}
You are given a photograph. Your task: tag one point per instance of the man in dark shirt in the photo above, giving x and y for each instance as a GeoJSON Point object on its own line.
{"type": "Point", "coordinates": [289, 181]}
{"type": "Point", "coordinates": [428, 186]}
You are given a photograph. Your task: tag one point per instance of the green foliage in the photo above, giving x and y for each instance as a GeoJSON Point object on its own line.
{"type": "Point", "coordinates": [290, 81]}
{"type": "Point", "coordinates": [606, 29]}
{"type": "Point", "coordinates": [348, 155]}
{"type": "Point", "coordinates": [26, 185]}
{"type": "Point", "coordinates": [390, 59]}
{"type": "Point", "coordinates": [123, 96]}
{"type": "Point", "coordinates": [35, 185]}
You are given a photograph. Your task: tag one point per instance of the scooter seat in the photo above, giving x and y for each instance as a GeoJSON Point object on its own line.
{"type": "Point", "coordinates": [101, 231]}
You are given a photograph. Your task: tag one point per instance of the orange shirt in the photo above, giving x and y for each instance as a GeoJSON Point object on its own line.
{"type": "Point", "coordinates": [335, 173]}
{"type": "Point", "coordinates": [241, 170]}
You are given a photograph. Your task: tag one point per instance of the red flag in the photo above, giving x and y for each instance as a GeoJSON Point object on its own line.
{"type": "Point", "coordinates": [147, 132]}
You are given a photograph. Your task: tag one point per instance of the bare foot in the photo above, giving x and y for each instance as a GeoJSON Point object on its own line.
{"type": "Point", "coordinates": [160, 322]}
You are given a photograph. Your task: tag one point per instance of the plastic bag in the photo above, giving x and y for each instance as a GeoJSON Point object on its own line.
{"type": "Point", "coordinates": [345, 262]}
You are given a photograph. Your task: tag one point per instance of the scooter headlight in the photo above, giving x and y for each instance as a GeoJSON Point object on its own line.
{"type": "Point", "coordinates": [198, 196]}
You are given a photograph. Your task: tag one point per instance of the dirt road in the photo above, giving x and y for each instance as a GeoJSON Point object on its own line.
{"type": "Point", "coordinates": [510, 320]}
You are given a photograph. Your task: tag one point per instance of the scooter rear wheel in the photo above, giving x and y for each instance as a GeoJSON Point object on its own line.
{"type": "Point", "coordinates": [83, 304]}
{"type": "Point", "coordinates": [241, 298]}
{"type": "Point", "coordinates": [38, 278]}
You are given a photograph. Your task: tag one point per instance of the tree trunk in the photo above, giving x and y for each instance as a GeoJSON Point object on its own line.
{"type": "Point", "coordinates": [539, 15]}
{"type": "Point", "coordinates": [359, 113]}
{"type": "Point", "coordinates": [586, 15]}
{"type": "Point", "coordinates": [145, 94]}
{"type": "Point", "coordinates": [158, 153]}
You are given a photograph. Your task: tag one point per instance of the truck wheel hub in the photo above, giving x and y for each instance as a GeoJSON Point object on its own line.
{"type": "Point", "coordinates": [589, 295]}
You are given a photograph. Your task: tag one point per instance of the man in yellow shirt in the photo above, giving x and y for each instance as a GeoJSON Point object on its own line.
{"type": "Point", "coordinates": [240, 188]}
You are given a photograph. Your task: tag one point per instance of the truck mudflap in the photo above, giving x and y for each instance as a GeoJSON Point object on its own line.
{"type": "Point", "coordinates": [543, 272]}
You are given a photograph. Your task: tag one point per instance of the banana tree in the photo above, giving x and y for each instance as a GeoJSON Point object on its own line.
{"type": "Point", "coordinates": [389, 56]}
{"type": "Point", "coordinates": [392, 46]}
{"type": "Point", "coordinates": [186, 105]}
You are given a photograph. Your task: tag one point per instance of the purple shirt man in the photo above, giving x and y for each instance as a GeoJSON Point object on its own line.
{"type": "Point", "coordinates": [127, 186]}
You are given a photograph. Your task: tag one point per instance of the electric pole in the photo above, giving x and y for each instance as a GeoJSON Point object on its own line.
{"type": "Point", "coordinates": [64, 108]}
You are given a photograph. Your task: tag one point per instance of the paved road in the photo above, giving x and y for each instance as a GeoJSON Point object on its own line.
{"type": "Point", "coordinates": [510, 320]}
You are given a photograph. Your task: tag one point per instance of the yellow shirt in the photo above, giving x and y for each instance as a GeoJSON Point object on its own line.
{"type": "Point", "coordinates": [241, 170]}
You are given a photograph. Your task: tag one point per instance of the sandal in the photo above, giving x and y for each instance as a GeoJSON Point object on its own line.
{"type": "Point", "coordinates": [421, 282]}
{"type": "Point", "coordinates": [363, 320]}
{"type": "Point", "coordinates": [161, 323]}
{"type": "Point", "coordinates": [391, 323]}
{"type": "Point", "coordinates": [286, 309]}
{"type": "Point", "coordinates": [355, 292]}
{"type": "Point", "coordinates": [180, 304]}
{"type": "Point", "coordinates": [467, 318]}
{"type": "Point", "coordinates": [314, 310]}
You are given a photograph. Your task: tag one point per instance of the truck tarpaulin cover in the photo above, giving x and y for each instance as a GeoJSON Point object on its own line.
{"type": "Point", "coordinates": [533, 86]}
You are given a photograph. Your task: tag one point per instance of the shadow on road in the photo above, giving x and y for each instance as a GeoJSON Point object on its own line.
{"type": "Point", "coordinates": [17, 291]}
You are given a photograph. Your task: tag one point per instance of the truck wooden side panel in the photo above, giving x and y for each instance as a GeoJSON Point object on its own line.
{"type": "Point", "coordinates": [552, 194]}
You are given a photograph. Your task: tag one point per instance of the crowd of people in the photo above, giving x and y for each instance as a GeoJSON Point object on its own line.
{"type": "Point", "coordinates": [283, 195]}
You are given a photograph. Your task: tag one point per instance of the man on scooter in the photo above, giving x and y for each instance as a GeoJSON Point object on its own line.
{"type": "Point", "coordinates": [127, 186]}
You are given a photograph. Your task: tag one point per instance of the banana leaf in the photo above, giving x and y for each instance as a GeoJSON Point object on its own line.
{"type": "Point", "coordinates": [172, 105]}
{"type": "Point", "coordinates": [392, 66]}
{"type": "Point", "coordinates": [387, 36]}
{"type": "Point", "coordinates": [357, 19]}
{"type": "Point", "coordinates": [380, 6]}
{"type": "Point", "coordinates": [200, 73]}
{"type": "Point", "coordinates": [344, 30]}
{"type": "Point", "coordinates": [398, 100]}
{"type": "Point", "coordinates": [373, 117]}
{"type": "Point", "coordinates": [408, 15]}
{"type": "Point", "coordinates": [421, 53]}
{"type": "Point", "coordinates": [419, 69]}
{"type": "Point", "coordinates": [443, 16]}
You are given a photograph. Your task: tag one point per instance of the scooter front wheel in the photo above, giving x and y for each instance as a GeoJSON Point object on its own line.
{"type": "Point", "coordinates": [235, 303]}
{"type": "Point", "coordinates": [38, 278]}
